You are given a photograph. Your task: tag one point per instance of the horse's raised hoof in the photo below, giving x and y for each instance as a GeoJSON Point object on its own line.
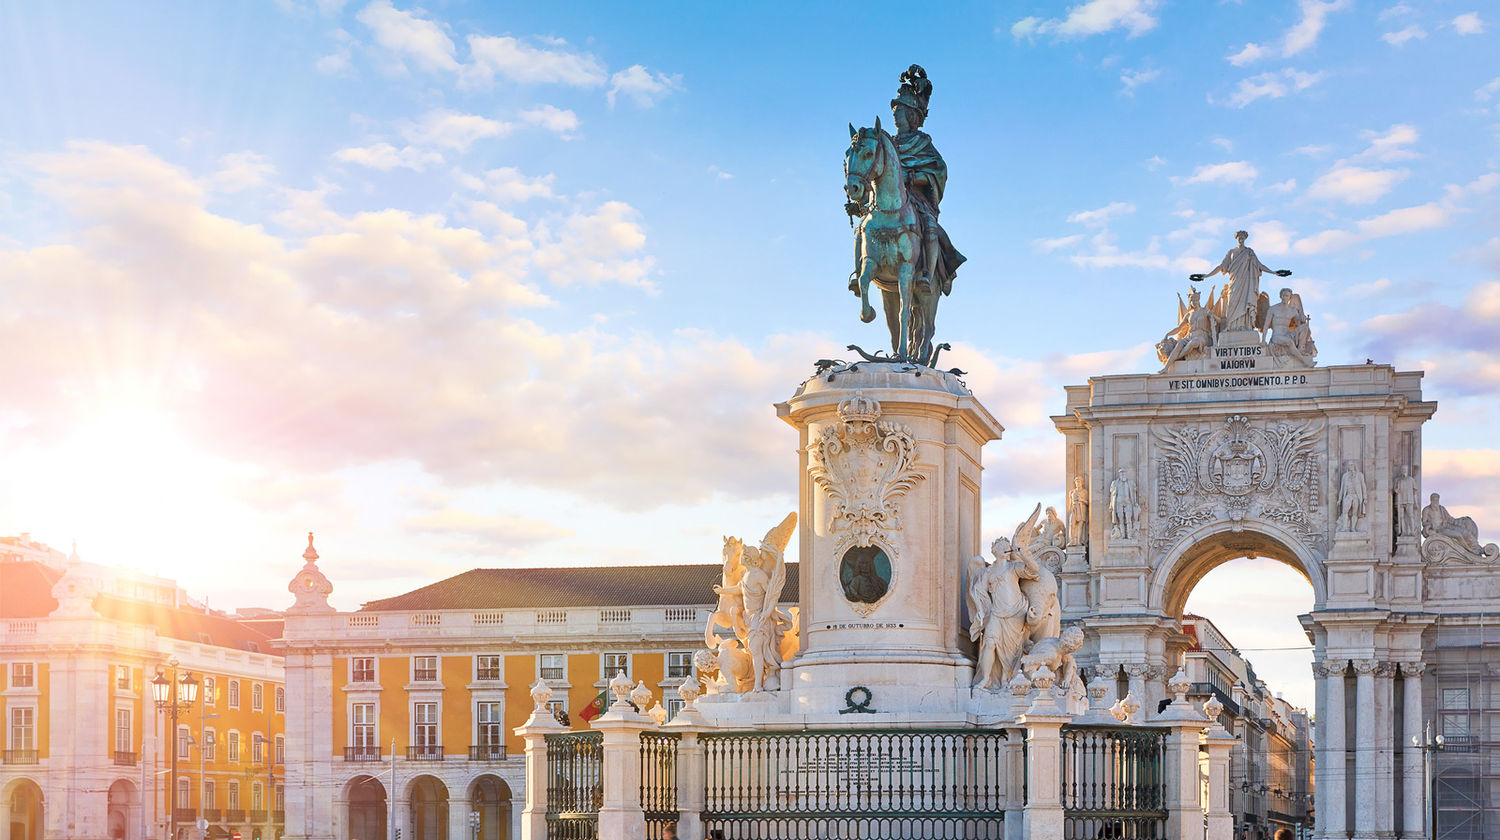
{"type": "Point", "coordinates": [867, 314]}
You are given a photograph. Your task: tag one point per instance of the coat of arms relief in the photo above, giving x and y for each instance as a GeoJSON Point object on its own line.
{"type": "Point", "coordinates": [1236, 471]}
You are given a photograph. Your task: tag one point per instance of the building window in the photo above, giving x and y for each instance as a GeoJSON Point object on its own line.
{"type": "Point", "coordinates": [487, 667]}
{"type": "Point", "coordinates": [280, 699]}
{"type": "Point", "coordinates": [184, 793]}
{"type": "Point", "coordinates": [22, 675]}
{"type": "Point", "coordinates": [424, 669]}
{"type": "Point", "coordinates": [364, 726]}
{"type": "Point", "coordinates": [234, 694]}
{"type": "Point", "coordinates": [679, 664]}
{"type": "Point", "coordinates": [234, 795]}
{"type": "Point", "coordinates": [557, 707]}
{"type": "Point", "coordinates": [233, 748]}
{"type": "Point", "coordinates": [210, 795]}
{"type": "Point", "coordinates": [210, 744]}
{"type": "Point", "coordinates": [674, 705]}
{"type": "Point", "coordinates": [257, 749]}
{"type": "Point", "coordinates": [552, 666]}
{"type": "Point", "coordinates": [210, 697]}
{"type": "Point", "coordinates": [123, 682]}
{"type": "Point", "coordinates": [424, 724]}
{"type": "Point", "coordinates": [123, 741]}
{"type": "Point", "coordinates": [22, 728]}
{"type": "Point", "coordinates": [280, 797]}
{"type": "Point", "coordinates": [491, 728]}
{"type": "Point", "coordinates": [257, 697]}
{"type": "Point", "coordinates": [257, 797]}
{"type": "Point", "coordinates": [184, 742]}
{"type": "Point", "coordinates": [362, 669]}
{"type": "Point", "coordinates": [1454, 717]}
{"type": "Point", "coordinates": [280, 754]}
{"type": "Point", "coordinates": [615, 663]}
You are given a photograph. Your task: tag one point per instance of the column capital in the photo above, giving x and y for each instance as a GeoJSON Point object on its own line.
{"type": "Point", "coordinates": [1385, 669]}
{"type": "Point", "coordinates": [1413, 669]}
{"type": "Point", "coordinates": [1139, 670]}
{"type": "Point", "coordinates": [1330, 667]}
{"type": "Point", "coordinates": [1365, 666]}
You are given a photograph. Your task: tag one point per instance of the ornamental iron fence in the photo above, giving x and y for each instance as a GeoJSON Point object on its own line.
{"type": "Point", "coordinates": [575, 785]}
{"type": "Point", "coordinates": [855, 783]}
{"type": "Point", "coordinates": [1113, 782]}
{"type": "Point", "coordinates": [659, 781]}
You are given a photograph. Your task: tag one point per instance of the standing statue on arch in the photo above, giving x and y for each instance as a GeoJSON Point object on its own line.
{"type": "Point", "coordinates": [1243, 305]}
{"type": "Point", "coordinates": [894, 185]}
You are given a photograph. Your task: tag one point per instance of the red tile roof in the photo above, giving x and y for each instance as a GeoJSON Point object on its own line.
{"type": "Point", "coordinates": [26, 589]}
{"type": "Point", "coordinates": [595, 586]}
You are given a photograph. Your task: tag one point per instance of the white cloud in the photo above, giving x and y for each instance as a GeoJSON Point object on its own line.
{"type": "Point", "coordinates": [1155, 162]}
{"type": "Point", "coordinates": [453, 129]}
{"type": "Point", "coordinates": [1468, 24]}
{"type": "Point", "coordinates": [720, 174]}
{"type": "Point", "coordinates": [486, 534]}
{"type": "Point", "coordinates": [1392, 144]}
{"type": "Point", "coordinates": [600, 247]}
{"type": "Point", "coordinates": [1102, 215]}
{"type": "Point", "coordinates": [1231, 172]}
{"type": "Point", "coordinates": [641, 86]}
{"type": "Point", "coordinates": [510, 58]}
{"type": "Point", "coordinates": [1224, 143]}
{"type": "Point", "coordinates": [508, 185]}
{"type": "Point", "coordinates": [385, 157]}
{"type": "Point", "coordinates": [1286, 186]}
{"type": "Point", "coordinates": [336, 63]}
{"type": "Point", "coordinates": [1092, 18]}
{"type": "Point", "coordinates": [1272, 85]}
{"type": "Point", "coordinates": [1305, 33]}
{"type": "Point", "coordinates": [409, 37]}
{"type": "Point", "coordinates": [1400, 37]}
{"type": "Point", "coordinates": [1251, 53]}
{"type": "Point", "coordinates": [558, 120]}
{"type": "Point", "coordinates": [1047, 246]}
{"type": "Point", "coordinates": [1355, 185]}
{"type": "Point", "coordinates": [1395, 11]}
{"type": "Point", "coordinates": [241, 171]}
{"type": "Point", "coordinates": [1133, 79]}
{"type": "Point", "coordinates": [1487, 91]}
{"type": "Point", "coordinates": [1313, 150]}
{"type": "Point", "coordinates": [1394, 223]}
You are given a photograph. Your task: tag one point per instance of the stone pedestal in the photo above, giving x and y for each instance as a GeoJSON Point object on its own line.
{"type": "Point", "coordinates": [621, 816]}
{"type": "Point", "coordinates": [534, 732]}
{"type": "Point", "coordinates": [1043, 723]}
{"type": "Point", "coordinates": [690, 771]}
{"type": "Point", "coordinates": [889, 512]}
{"type": "Point", "coordinates": [1218, 743]}
{"type": "Point", "coordinates": [1185, 730]}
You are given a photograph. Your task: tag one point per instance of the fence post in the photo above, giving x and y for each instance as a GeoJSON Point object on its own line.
{"type": "Point", "coordinates": [534, 732]}
{"type": "Point", "coordinates": [690, 768]}
{"type": "Point", "coordinates": [621, 816]}
{"type": "Point", "coordinates": [1043, 720]}
{"type": "Point", "coordinates": [1185, 726]}
{"type": "Point", "coordinates": [1218, 743]}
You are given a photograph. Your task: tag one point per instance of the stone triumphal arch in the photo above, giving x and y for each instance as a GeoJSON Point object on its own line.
{"type": "Point", "coordinates": [1233, 452]}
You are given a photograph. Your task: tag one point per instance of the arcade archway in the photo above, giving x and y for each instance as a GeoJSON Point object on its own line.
{"type": "Point", "coordinates": [26, 811]}
{"type": "Point", "coordinates": [122, 809]}
{"type": "Point", "coordinates": [367, 808]}
{"type": "Point", "coordinates": [490, 797]}
{"type": "Point", "coordinates": [429, 808]}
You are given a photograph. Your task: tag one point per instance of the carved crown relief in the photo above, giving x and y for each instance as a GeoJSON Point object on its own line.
{"type": "Point", "coordinates": [865, 466]}
{"type": "Point", "coordinates": [1236, 471]}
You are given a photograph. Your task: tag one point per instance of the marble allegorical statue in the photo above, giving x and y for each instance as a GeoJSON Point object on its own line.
{"type": "Point", "coordinates": [1441, 530]}
{"type": "Point", "coordinates": [895, 185]}
{"type": "Point", "coordinates": [1407, 496]}
{"type": "Point", "coordinates": [1078, 513]}
{"type": "Point", "coordinates": [1056, 652]}
{"type": "Point", "coordinates": [1351, 498]}
{"type": "Point", "coordinates": [753, 587]}
{"type": "Point", "coordinates": [1050, 532]}
{"type": "Point", "coordinates": [1124, 507]}
{"type": "Point", "coordinates": [998, 610]}
{"type": "Point", "coordinates": [1194, 333]}
{"type": "Point", "coordinates": [1290, 334]}
{"type": "Point", "coordinates": [1242, 306]}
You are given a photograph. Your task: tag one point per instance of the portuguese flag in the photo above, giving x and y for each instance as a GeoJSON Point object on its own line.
{"type": "Point", "coordinates": [595, 708]}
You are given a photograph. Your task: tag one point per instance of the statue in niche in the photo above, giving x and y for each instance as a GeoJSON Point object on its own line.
{"type": "Point", "coordinates": [999, 611]}
{"type": "Point", "coordinates": [1050, 532]}
{"type": "Point", "coordinates": [1405, 491]}
{"type": "Point", "coordinates": [1351, 498]}
{"type": "Point", "coordinates": [1124, 508]}
{"type": "Point", "coordinates": [1078, 513]}
{"type": "Point", "coordinates": [1194, 332]}
{"type": "Point", "coordinates": [1437, 524]}
{"type": "Point", "coordinates": [1242, 306]}
{"type": "Point", "coordinates": [1289, 331]}
{"type": "Point", "coordinates": [757, 583]}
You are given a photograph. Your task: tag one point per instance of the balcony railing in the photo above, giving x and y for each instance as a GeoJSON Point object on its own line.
{"type": "Point", "coordinates": [361, 753]}
{"type": "Point", "coordinates": [487, 752]}
{"type": "Point", "coordinates": [213, 814]}
{"type": "Point", "coordinates": [427, 753]}
{"type": "Point", "coordinates": [1461, 743]}
{"type": "Point", "coordinates": [185, 815]}
{"type": "Point", "coordinates": [21, 757]}
{"type": "Point", "coordinates": [125, 759]}
{"type": "Point", "coordinates": [278, 817]}
{"type": "Point", "coordinates": [234, 815]}
{"type": "Point", "coordinates": [258, 817]}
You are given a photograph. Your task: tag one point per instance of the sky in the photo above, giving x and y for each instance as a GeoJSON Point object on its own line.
{"type": "Point", "coordinates": [467, 284]}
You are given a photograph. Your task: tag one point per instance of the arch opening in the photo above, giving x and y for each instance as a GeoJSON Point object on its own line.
{"type": "Point", "coordinates": [490, 797]}
{"type": "Point", "coordinates": [367, 808]}
{"type": "Point", "coordinates": [429, 808]}
{"type": "Point", "coordinates": [26, 811]}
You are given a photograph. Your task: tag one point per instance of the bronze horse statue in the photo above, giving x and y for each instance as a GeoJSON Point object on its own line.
{"type": "Point", "coordinates": [888, 245]}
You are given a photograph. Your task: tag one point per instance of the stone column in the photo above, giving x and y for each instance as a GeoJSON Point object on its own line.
{"type": "Point", "coordinates": [621, 815]}
{"type": "Point", "coordinates": [1331, 784]}
{"type": "Point", "coordinates": [1185, 731]}
{"type": "Point", "coordinates": [1043, 721]}
{"type": "Point", "coordinates": [691, 770]}
{"type": "Point", "coordinates": [458, 818]}
{"type": "Point", "coordinates": [1366, 777]}
{"type": "Point", "coordinates": [1385, 749]}
{"type": "Point", "coordinates": [1218, 742]}
{"type": "Point", "coordinates": [1136, 674]}
{"type": "Point", "coordinates": [534, 732]}
{"type": "Point", "coordinates": [1413, 798]}
{"type": "Point", "coordinates": [1015, 784]}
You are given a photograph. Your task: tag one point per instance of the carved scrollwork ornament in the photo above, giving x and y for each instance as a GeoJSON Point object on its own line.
{"type": "Point", "coordinates": [865, 466]}
{"type": "Point", "coordinates": [1365, 666]}
{"type": "Point", "coordinates": [1385, 669]}
{"type": "Point", "coordinates": [1330, 668]}
{"type": "Point", "coordinates": [1138, 670]}
{"type": "Point", "coordinates": [1413, 669]}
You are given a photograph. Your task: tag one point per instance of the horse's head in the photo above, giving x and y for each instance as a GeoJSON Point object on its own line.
{"type": "Point", "coordinates": [865, 161]}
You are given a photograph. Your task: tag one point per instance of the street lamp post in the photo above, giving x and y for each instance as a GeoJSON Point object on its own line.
{"type": "Point", "coordinates": [474, 823]}
{"type": "Point", "coordinates": [1428, 744]}
{"type": "Point", "coordinates": [173, 696]}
